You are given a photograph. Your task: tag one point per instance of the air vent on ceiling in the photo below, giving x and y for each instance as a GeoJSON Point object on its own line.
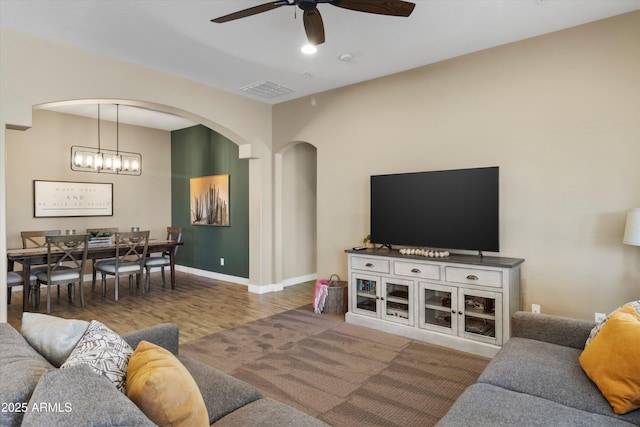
{"type": "Point", "coordinates": [266, 89]}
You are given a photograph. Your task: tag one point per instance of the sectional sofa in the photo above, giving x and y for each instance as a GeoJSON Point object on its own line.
{"type": "Point", "coordinates": [34, 392]}
{"type": "Point", "coordinates": [536, 379]}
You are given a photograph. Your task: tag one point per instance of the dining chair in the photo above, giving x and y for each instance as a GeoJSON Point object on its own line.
{"type": "Point", "coordinates": [14, 278]}
{"type": "Point", "coordinates": [66, 258]}
{"type": "Point", "coordinates": [36, 239]}
{"type": "Point", "coordinates": [174, 234]}
{"type": "Point", "coordinates": [92, 231]}
{"type": "Point", "coordinates": [131, 251]}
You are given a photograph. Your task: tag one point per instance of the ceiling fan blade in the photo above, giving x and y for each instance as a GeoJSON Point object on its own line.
{"type": "Point", "coordinates": [313, 26]}
{"type": "Point", "coordinates": [252, 11]}
{"type": "Point", "coordinates": [380, 7]}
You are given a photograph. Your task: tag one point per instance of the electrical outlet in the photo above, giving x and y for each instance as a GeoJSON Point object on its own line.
{"type": "Point", "coordinates": [221, 261]}
{"type": "Point", "coordinates": [535, 308]}
{"type": "Point", "coordinates": [599, 317]}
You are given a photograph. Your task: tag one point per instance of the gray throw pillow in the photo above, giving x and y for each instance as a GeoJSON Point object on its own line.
{"type": "Point", "coordinates": [53, 337]}
{"type": "Point", "coordinates": [77, 396]}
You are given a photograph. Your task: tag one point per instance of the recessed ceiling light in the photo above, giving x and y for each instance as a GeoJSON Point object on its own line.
{"type": "Point", "coordinates": [309, 49]}
{"type": "Point", "coordinates": [345, 57]}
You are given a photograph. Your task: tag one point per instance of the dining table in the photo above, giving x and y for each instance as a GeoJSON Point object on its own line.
{"type": "Point", "coordinates": [38, 256]}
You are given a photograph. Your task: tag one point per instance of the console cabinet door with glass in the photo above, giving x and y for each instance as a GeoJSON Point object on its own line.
{"type": "Point", "coordinates": [438, 310]}
{"type": "Point", "coordinates": [397, 300]}
{"type": "Point", "coordinates": [482, 315]}
{"type": "Point", "coordinates": [365, 299]}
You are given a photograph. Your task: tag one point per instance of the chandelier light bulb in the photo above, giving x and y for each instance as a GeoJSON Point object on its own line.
{"type": "Point", "coordinates": [117, 162]}
{"type": "Point", "coordinates": [98, 161]}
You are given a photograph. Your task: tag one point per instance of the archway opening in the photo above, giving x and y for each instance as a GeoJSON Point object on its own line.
{"type": "Point", "coordinates": [296, 213]}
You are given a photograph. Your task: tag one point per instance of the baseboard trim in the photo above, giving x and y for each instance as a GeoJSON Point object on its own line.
{"type": "Point", "coordinates": [213, 275]}
{"type": "Point", "coordinates": [256, 289]}
{"type": "Point", "coordinates": [300, 279]}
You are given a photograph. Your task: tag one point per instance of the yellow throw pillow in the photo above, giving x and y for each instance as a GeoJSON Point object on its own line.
{"type": "Point", "coordinates": [163, 388]}
{"type": "Point", "coordinates": [612, 359]}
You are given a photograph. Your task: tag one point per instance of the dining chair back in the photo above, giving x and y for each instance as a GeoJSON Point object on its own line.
{"type": "Point", "coordinates": [95, 232]}
{"type": "Point", "coordinates": [174, 234]}
{"type": "Point", "coordinates": [66, 258]}
{"type": "Point", "coordinates": [36, 239]}
{"type": "Point", "coordinates": [131, 251]}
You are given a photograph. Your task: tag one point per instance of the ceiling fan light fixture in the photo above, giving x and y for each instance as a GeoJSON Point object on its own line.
{"type": "Point", "coordinates": [308, 49]}
{"type": "Point", "coordinates": [312, 20]}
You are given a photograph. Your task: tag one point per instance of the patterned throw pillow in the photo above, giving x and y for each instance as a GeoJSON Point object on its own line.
{"type": "Point", "coordinates": [105, 352]}
{"type": "Point", "coordinates": [596, 329]}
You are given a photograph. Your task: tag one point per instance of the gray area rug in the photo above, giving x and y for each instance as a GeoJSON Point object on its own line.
{"type": "Point", "coordinates": [345, 375]}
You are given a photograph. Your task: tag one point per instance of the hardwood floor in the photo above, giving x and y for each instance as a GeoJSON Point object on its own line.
{"type": "Point", "coordinates": [200, 306]}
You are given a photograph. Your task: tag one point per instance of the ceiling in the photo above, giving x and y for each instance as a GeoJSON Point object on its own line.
{"type": "Point", "coordinates": [177, 37]}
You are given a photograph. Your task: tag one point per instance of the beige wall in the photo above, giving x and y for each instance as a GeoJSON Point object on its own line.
{"type": "Point", "coordinates": [560, 116]}
{"type": "Point", "coordinates": [43, 151]}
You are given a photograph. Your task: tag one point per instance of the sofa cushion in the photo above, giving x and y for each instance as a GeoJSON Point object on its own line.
{"type": "Point", "coordinates": [612, 360]}
{"type": "Point", "coordinates": [20, 369]}
{"type": "Point", "coordinates": [53, 337]}
{"type": "Point", "coordinates": [221, 392]}
{"type": "Point", "coordinates": [163, 388]}
{"type": "Point", "coordinates": [166, 335]}
{"type": "Point", "coordinates": [552, 329]}
{"type": "Point", "coordinates": [77, 396]}
{"type": "Point", "coordinates": [269, 412]}
{"type": "Point", "coordinates": [548, 371]}
{"type": "Point", "coordinates": [104, 351]}
{"type": "Point", "coordinates": [488, 405]}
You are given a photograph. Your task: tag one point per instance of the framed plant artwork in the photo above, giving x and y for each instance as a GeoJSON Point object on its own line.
{"type": "Point", "coordinates": [210, 200]}
{"type": "Point", "coordinates": [65, 198]}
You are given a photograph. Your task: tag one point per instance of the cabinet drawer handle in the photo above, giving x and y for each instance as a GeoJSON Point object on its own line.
{"type": "Point", "coordinates": [415, 270]}
{"type": "Point", "coordinates": [472, 277]}
{"type": "Point", "coordinates": [368, 264]}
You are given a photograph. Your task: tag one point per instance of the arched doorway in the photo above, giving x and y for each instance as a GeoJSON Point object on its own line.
{"type": "Point", "coordinates": [61, 155]}
{"type": "Point", "coordinates": [296, 213]}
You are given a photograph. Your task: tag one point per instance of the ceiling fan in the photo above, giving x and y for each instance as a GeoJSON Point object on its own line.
{"type": "Point", "coordinates": [313, 25]}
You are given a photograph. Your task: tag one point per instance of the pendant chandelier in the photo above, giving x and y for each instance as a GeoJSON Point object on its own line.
{"type": "Point", "coordinates": [102, 160]}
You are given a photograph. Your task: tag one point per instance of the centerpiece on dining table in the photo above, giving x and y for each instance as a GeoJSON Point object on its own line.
{"type": "Point", "coordinates": [100, 240]}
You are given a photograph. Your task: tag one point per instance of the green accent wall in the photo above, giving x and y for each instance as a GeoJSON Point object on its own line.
{"type": "Point", "coordinates": [199, 151]}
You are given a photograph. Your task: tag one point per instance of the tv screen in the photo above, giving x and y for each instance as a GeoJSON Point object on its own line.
{"type": "Point", "coordinates": [451, 209]}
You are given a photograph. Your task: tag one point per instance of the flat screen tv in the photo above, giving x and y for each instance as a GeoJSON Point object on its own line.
{"type": "Point", "coordinates": [450, 209]}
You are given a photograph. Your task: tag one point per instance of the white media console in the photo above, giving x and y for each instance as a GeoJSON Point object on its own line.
{"type": "Point", "coordinates": [462, 301]}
